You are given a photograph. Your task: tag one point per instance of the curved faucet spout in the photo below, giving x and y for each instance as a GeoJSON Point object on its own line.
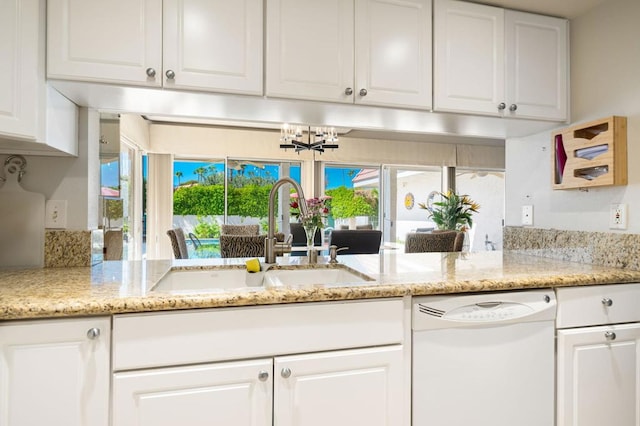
{"type": "Point", "coordinates": [270, 241]}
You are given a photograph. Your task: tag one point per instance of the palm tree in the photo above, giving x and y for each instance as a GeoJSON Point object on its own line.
{"type": "Point", "coordinates": [200, 171]}
{"type": "Point", "coordinates": [179, 175]}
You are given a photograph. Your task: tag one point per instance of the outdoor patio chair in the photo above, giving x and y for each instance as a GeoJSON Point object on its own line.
{"type": "Point", "coordinates": [178, 243]}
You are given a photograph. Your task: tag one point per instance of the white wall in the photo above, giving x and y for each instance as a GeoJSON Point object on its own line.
{"type": "Point", "coordinates": [605, 80]}
{"type": "Point", "coordinates": [75, 179]}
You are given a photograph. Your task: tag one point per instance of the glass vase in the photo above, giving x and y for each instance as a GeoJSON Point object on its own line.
{"type": "Point", "coordinates": [310, 231]}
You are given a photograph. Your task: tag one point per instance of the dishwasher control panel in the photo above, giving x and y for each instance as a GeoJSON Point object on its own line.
{"type": "Point", "coordinates": [432, 312]}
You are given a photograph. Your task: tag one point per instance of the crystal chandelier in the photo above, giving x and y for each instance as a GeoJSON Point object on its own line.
{"type": "Point", "coordinates": [323, 138]}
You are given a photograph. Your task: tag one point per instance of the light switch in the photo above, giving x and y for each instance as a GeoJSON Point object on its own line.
{"type": "Point", "coordinates": [55, 214]}
{"type": "Point", "coordinates": [527, 215]}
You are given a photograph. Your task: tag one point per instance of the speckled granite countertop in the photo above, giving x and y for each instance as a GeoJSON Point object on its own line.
{"type": "Point", "coordinates": [118, 287]}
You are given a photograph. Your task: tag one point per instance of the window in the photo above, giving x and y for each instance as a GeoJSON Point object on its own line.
{"type": "Point", "coordinates": [205, 196]}
{"type": "Point", "coordinates": [354, 192]}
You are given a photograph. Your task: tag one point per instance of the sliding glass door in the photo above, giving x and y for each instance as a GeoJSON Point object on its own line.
{"type": "Point", "coordinates": [236, 191]}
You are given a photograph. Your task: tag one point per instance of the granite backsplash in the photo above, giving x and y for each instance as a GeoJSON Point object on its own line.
{"type": "Point", "coordinates": [598, 248]}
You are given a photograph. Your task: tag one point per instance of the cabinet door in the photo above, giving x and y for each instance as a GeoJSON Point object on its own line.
{"type": "Point", "coordinates": [20, 55]}
{"type": "Point", "coordinates": [233, 393]}
{"type": "Point", "coordinates": [536, 66]}
{"type": "Point", "coordinates": [114, 41]}
{"type": "Point", "coordinates": [53, 373]}
{"type": "Point", "coordinates": [310, 49]}
{"type": "Point", "coordinates": [599, 377]}
{"type": "Point", "coordinates": [213, 45]}
{"type": "Point", "coordinates": [468, 57]}
{"type": "Point", "coordinates": [393, 53]}
{"type": "Point", "coordinates": [344, 388]}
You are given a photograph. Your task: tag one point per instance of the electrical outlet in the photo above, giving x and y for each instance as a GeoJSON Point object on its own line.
{"type": "Point", "coordinates": [527, 215]}
{"type": "Point", "coordinates": [618, 216]}
{"type": "Point", "coordinates": [55, 212]}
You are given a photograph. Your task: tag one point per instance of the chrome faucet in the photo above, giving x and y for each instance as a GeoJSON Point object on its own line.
{"type": "Point", "coordinates": [270, 243]}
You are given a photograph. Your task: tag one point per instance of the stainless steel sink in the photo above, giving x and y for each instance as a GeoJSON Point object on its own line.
{"type": "Point", "coordinates": [222, 279]}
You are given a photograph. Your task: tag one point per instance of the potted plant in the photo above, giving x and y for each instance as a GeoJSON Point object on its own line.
{"type": "Point", "coordinates": [453, 212]}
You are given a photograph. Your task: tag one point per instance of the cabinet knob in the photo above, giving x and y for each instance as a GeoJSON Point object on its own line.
{"type": "Point", "coordinates": [286, 373]}
{"type": "Point", "coordinates": [610, 335]}
{"type": "Point", "coordinates": [263, 376]}
{"type": "Point", "coordinates": [151, 72]}
{"type": "Point", "coordinates": [348, 91]}
{"type": "Point", "coordinates": [363, 92]}
{"type": "Point", "coordinates": [501, 106]}
{"type": "Point", "coordinates": [170, 74]}
{"type": "Point", "coordinates": [607, 302]}
{"type": "Point", "coordinates": [93, 333]}
{"type": "Point", "coordinates": [513, 107]}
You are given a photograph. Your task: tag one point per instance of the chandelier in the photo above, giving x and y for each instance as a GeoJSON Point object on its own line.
{"type": "Point", "coordinates": [323, 138]}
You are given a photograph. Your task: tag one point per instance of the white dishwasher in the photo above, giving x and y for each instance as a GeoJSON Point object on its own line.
{"type": "Point", "coordinates": [484, 359]}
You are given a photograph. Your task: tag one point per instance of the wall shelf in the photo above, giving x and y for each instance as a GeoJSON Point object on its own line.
{"type": "Point", "coordinates": [590, 154]}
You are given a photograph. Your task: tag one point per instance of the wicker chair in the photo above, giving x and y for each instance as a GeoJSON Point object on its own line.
{"type": "Point", "coordinates": [423, 242]}
{"type": "Point", "coordinates": [244, 245]}
{"type": "Point", "coordinates": [178, 243]}
{"type": "Point", "coordinates": [241, 245]}
{"type": "Point", "coordinates": [240, 229]}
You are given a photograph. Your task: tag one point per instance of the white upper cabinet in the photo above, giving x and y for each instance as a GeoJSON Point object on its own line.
{"type": "Point", "coordinates": [34, 118]}
{"type": "Point", "coordinates": [374, 52]}
{"type": "Point", "coordinates": [393, 53]}
{"type": "Point", "coordinates": [492, 61]}
{"type": "Point", "coordinates": [213, 45]}
{"type": "Point", "coordinates": [468, 57]}
{"type": "Point", "coordinates": [118, 41]}
{"type": "Point", "coordinates": [19, 67]}
{"type": "Point", "coordinates": [310, 50]}
{"type": "Point", "coordinates": [537, 66]}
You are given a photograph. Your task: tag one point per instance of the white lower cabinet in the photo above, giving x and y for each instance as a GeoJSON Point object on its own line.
{"type": "Point", "coordinates": [338, 364]}
{"type": "Point", "coordinates": [343, 388]}
{"type": "Point", "coordinates": [55, 372]}
{"type": "Point", "coordinates": [599, 376]}
{"type": "Point", "coordinates": [229, 393]}
{"type": "Point", "coordinates": [598, 365]}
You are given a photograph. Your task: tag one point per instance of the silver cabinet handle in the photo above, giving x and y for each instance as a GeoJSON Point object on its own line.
{"type": "Point", "coordinates": [348, 91]}
{"type": "Point", "coordinates": [363, 92]}
{"type": "Point", "coordinates": [93, 333]}
{"type": "Point", "coordinates": [263, 376]}
{"type": "Point", "coordinates": [151, 72]}
{"type": "Point", "coordinates": [170, 74]}
{"type": "Point", "coordinates": [513, 107]}
{"type": "Point", "coordinates": [286, 373]}
{"type": "Point", "coordinates": [501, 106]}
{"type": "Point", "coordinates": [610, 335]}
{"type": "Point", "coordinates": [607, 302]}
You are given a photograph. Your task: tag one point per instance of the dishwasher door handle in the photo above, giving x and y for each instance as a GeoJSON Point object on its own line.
{"type": "Point", "coordinates": [488, 305]}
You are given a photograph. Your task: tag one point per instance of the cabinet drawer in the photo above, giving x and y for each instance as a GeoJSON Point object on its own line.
{"type": "Point", "coordinates": [175, 338]}
{"type": "Point", "coordinates": [593, 305]}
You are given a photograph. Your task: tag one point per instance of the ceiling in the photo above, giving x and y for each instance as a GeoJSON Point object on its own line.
{"type": "Point", "coordinates": [562, 8]}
